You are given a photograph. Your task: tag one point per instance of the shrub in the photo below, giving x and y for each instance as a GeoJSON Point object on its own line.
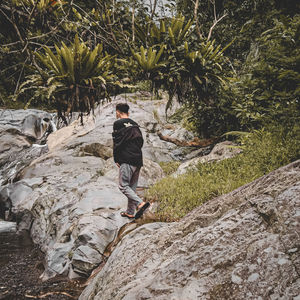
{"type": "Point", "coordinates": [268, 89]}
{"type": "Point", "coordinates": [74, 78]}
{"type": "Point", "coordinates": [193, 72]}
{"type": "Point", "coordinates": [169, 167]}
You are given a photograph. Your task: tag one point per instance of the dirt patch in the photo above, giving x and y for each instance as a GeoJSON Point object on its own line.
{"type": "Point", "coordinates": [21, 264]}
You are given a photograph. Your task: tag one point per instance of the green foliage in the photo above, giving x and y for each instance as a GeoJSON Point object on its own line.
{"type": "Point", "coordinates": [169, 167]}
{"type": "Point", "coordinates": [208, 76]}
{"type": "Point", "coordinates": [268, 89]}
{"type": "Point", "coordinates": [193, 72]}
{"type": "Point", "coordinates": [148, 60]}
{"type": "Point", "coordinates": [245, 20]}
{"type": "Point", "coordinates": [75, 77]}
{"type": "Point", "coordinates": [24, 26]}
{"type": "Point", "coordinates": [172, 32]}
{"type": "Point", "coordinates": [263, 151]}
{"type": "Point", "coordinates": [264, 59]}
{"type": "Point", "coordinates": [44, 6]}
{"type": "Point", "coordinates": [179, 30]}
{"type": "Point", "coordinates": [174, 53]}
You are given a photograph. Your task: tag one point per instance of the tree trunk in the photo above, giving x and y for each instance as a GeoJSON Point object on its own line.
{"type": "Point", "coordinates": [133, 20]}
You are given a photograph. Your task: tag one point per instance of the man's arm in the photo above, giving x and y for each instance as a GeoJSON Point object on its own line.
{"type": "Point", "coordinates": [115, 150]}
{"type": "Point", "coordinates": [115, 157]}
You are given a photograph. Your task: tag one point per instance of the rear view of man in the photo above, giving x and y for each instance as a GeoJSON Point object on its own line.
{"type": "Point", "coordinates": [128, 142]}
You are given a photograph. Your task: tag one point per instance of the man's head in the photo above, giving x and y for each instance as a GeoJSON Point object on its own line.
{"type": "Point", "coordinates": [122, 110]}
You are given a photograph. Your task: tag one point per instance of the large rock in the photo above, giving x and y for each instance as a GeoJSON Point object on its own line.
{"type": "Point", "coordinates": [36, 125]}
{"type": "Point", "coordinates": [7, 226]}
{"type": "Point", "coordinates": [30, 121]}
{"type": "Point", "coordinates": [242, 245]}
{"type": "Point", "coordinates": [75, 206]}
{"type": "Point", "coordinates": [143, 112]}
{"type": "Point", "coordinates": [97, 149]}
{"type": "Point", "coordinates": [12, 197]}
{"type": "Point", "coordinates": [59, 139]}
{"type": "Point", "coordinates": [220, 151]}
{"type": "Point", "coordinates": [85, 259]}
{"type": "Point", "coordinates": [19, 130]}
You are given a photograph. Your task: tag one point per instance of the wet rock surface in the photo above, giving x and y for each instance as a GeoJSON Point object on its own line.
{"type": "Point", "coordinates": [242, 245]}
{"type": "Point", "coordinates": [26, 121]}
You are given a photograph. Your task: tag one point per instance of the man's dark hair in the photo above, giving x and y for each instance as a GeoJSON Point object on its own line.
{"type": "Point", "coordinates": [122, 107]}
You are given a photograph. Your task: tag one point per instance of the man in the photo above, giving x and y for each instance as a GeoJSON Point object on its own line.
{"type": "Point", "coordinates": [128, 142]}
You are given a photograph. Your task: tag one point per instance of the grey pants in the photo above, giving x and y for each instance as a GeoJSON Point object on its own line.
{"type": "Point", "coordinates": [128, 180]}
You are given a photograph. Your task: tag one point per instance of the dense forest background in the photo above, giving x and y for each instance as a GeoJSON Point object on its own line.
{"type": "Point", "coordinates": [234, 65]}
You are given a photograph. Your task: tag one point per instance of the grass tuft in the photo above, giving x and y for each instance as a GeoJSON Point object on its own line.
{"type": "Point", "coordinates": [169, 167]}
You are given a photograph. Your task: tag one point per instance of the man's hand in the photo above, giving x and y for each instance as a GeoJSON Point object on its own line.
{"type": "Point", "coordinates": [118, 165]}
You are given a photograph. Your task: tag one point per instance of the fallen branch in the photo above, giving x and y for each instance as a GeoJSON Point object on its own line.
{"type": "Point", "coordinates": [49, 294]}
{"type": "Point", "coordinates": [196, 142]}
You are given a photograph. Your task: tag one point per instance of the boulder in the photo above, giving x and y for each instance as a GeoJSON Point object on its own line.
{"type": "Point", "coordinates": [60, 138]}
{"type": "Point", "coordinates": [57, 260]}
{"type": "Point", "coordinates": [143, 112]}
{"type": "Point", "coordinates": [242, 245]}
{"type": "Point", "coordinates": [19, 130]}
{"type": "Point", "coordinates": [74, 205]}
{"type": "Point", "coordinates": [85, 259]}
{"type": "Point", "coordinates": [12, 139]}
{"type": "Point", "coordinates": [15, 198]}
{"type": "Point", "coordinates": [36, 125]}
{"type": "Point", "coordinates": [178, 133]}
{"type": "Point", "coordinates": [220, 151]}
{"type": "Point", "coordinates": [24, 120]}
{"type": "Point", "coordinates": [97, 149]}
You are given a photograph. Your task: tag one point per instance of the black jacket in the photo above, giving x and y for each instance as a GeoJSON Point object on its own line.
{"type": "Point", "coordinates": [128, 142]}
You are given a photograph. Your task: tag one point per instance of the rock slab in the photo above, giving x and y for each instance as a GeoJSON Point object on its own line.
{"type": "Point", "coordinates": [242, 245]}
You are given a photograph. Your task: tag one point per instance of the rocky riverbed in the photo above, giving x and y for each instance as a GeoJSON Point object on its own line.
{"type": "Point", "coordinates": [64, 194]}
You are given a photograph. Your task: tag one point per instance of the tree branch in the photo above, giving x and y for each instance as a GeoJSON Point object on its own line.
{"type": "Point", "coordinates": [133, 20]}
{"type": "Point", "coordinates": [153, 9]}
{"type": "Point", "coordinates": [196, 18]}
{"type": "Point", "coordinates": [214, 25]}
{"type": "Point", "coordinates": [18, 82]}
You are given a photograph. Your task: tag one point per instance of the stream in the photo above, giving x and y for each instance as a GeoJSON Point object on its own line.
{"type": "Point", "coordinates": [21, 264]}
